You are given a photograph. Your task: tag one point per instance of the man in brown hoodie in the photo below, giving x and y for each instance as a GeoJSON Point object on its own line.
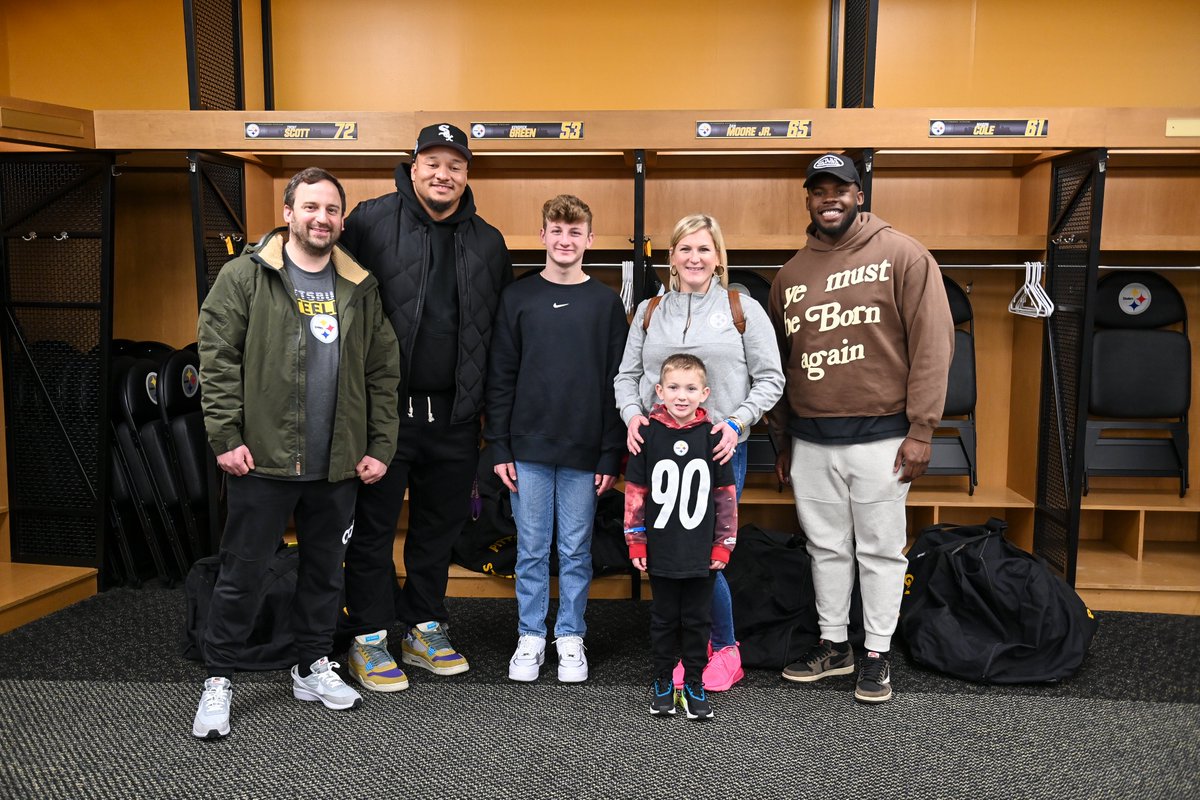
{"type": "Point", "coordinates": [866, 339]}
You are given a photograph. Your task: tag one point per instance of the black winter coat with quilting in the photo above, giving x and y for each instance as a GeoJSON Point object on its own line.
{"type": "Point", "coordinates": [389, 235]}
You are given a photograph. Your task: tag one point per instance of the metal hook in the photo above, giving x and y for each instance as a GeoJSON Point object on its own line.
{"type": "Point", "coordinates": [115, 171]}
{"type": "Point", "coordinates": [1068, 238]}
{"type": "Point", "coordinates": [61, 237]}
{"type": "Point", "coordinates": [32, 235]}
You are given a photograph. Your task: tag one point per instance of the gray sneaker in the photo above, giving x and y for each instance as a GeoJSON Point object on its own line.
{"type": "Point", "coordinates": [822, 660]}
{"type": "Point", "coordinates": [212, 716]}
{"type": "Point", "coordinates": [324, 685]}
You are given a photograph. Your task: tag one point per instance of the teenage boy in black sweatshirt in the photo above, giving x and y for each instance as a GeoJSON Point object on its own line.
{"type": "Point", "coordinates": [552, 429]}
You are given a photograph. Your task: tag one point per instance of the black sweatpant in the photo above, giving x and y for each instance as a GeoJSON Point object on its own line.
{"type": "Point", "coordinates": [680, 623]}
{"type": "Point", "coordinates": [436, 462]}
{"type": "Point", "coordinates": [259, 509]}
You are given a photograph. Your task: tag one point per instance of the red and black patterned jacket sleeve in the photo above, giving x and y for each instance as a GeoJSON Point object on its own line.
{"type": "Point", "coordinates": [725, 529]}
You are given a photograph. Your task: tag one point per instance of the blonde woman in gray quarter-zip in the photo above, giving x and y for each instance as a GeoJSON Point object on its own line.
{"type": "Point", "coordinates": [744, 376]}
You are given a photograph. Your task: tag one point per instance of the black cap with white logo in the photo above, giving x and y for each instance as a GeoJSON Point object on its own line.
{"type": "Point", "coordinates": [839, 167]}
{"type": "Point", "coordinates": [443, 135]}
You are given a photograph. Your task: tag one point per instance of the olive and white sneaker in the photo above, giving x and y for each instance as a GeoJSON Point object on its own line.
{"type": "Point", "coordinates": [874, 679]}
{"type": "Point", "coordinates": [324, 685]}
{"type": "Point", "coordinates": [526, 661]}
{"type": "Point", "coordinates": [212, 716]}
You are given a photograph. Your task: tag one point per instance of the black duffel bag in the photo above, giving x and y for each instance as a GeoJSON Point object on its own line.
{"type": "Point", "coordinates": [979, 608]}
{"type": "Point", "coordinates": [774, 611]}
{"type": "Point", "coordinates": [271, 644]}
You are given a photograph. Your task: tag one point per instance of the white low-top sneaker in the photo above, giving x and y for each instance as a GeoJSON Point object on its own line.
{"type": "Point", "coordinates": [325, 685]}
{"type": "Point", "coordinates": [212, 716]}
{"type": "Point", "coordinates": [572, 663]}
{"type": "Point", "coordinates": [526, 661]}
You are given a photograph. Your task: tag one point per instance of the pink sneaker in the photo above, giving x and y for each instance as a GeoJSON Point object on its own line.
{"type": "Point", "coordinates": [677, 675]}
{"type": "Point", "coordinates": [724, 669]}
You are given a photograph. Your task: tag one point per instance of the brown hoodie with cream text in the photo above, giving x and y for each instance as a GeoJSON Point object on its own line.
{"type": "Point", "coordinates": [864, 329]}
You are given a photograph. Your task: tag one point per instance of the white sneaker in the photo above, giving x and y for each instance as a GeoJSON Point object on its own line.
{"type": "Point", "coordinates": [526, 662]}
{"type": "Point", "coordinates": [325, 685]}
{"type": "Point", "coordinates": [212, 716]}
{"type": "Point", "coordinates": [572, 663]}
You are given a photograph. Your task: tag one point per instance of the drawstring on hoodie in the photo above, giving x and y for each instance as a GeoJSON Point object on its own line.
{"type": "Point", "coordinates": [428, 408]}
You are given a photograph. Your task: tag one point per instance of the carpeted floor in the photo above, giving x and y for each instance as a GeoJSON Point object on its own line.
{"type": "Point", "coordinates": [98, 703]}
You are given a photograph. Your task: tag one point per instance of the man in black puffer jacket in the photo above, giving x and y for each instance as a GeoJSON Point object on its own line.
{"type": "Point", "coordinates": [440, 269]}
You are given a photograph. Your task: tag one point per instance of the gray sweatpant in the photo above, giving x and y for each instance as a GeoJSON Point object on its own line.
{"type": "Point", "coordinates": [851, 507]}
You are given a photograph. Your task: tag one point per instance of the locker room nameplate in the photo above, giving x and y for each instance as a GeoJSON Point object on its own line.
{"type": "Point", "coordinates": [572, 129]}
{"type": "Point", "coordinates": [754, 129]}
{"type": "Point", "coordinates": [988, 128]}
{"type": "Point", "coordinates": [302, 130]}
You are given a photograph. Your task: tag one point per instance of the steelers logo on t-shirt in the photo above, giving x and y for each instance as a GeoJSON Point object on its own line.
{"type": "Point", "coordinates": [324, 327]}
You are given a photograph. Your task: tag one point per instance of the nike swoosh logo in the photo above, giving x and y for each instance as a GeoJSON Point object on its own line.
{"type": "Point", "coordinates": [561, 305]}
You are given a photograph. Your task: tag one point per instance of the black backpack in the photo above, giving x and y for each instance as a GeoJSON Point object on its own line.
{"type": "Point", "coordinates": [979, 608]}
{"type": "Point", "coordinates": [271, 644]}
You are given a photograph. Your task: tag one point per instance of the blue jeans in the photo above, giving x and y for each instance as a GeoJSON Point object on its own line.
{"type": "Point", "coordinates": [722, 601]}
{"type": "Point", "coordinates": [546, 494]}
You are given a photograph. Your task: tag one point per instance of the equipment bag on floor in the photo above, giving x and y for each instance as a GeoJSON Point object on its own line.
{"type": "Point", "coordinates": [774, 610]}
{"type": "Point", "coordinates": [979, 608]}
{"type": "Point", "coordinates": [271, 644]}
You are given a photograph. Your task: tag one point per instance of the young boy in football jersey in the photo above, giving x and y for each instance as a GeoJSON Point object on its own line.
{"type": "Point", "coordinates": [680, 526]}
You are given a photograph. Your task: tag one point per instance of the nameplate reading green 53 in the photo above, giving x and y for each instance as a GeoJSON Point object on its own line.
{"type": "Point", "coordinates": [302, 130]}
{"type": "Point", "coordinates": [527, 130]}
{"type": "Point", "coordinates": [988, 128]}
{"type": "Point", "coordinates": [754, 129]}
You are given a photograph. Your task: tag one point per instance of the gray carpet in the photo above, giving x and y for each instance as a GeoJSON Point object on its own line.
{"type": "Point", "coordinates": [97, 703]}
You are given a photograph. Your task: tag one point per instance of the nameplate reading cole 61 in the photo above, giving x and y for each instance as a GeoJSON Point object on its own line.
{"type": "Point", "coordinates": [345, 131]}
{"type": "Point", "coordinates": [572, 129]}
{"type": "Point", "coordinates": [754, 129]}
{"type": "Point", "coordinates": [988, 128]}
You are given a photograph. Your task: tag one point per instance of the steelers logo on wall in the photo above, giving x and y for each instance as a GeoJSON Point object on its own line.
{"type": "Point", "coordinates": [324, 327]}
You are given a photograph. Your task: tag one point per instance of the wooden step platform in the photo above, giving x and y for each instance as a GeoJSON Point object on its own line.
{"type": "Point", "coordinates": [31, 591]}
{"type": "Point", "coordinates": [466, 583]}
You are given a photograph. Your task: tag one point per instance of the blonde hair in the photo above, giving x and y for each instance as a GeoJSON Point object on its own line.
{"type": "Point", "coordinates": [686, 227]}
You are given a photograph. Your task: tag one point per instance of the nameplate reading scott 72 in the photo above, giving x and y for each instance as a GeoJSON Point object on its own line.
{"type": "Point", "coordinates": [302, 130]}
{"type": "Point", "coordinates": [527, 130]}
{"type": "Point", "coordinates": [754, 129]}
{"type": "Point", "coordinates": [988, 128]}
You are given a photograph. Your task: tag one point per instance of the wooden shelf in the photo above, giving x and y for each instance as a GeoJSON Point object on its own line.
{"type": "Point", "coordinates": [985, 496]}
{"type": "Point", "coordinates": [31, 591]}
{"type": "Point", "coordinates": [1140, 500]}
{"type": "Point", "coordinates": [1165, 566]}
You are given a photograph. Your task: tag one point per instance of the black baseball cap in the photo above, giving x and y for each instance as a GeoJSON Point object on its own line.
{"type": "Point", "coordinates": [443, 135]}
{"type": "Point", "coordinates": [839, 167]}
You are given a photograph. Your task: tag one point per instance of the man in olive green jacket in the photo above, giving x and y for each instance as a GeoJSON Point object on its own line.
{"type": "Point", "coordinates": [299, 368]}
